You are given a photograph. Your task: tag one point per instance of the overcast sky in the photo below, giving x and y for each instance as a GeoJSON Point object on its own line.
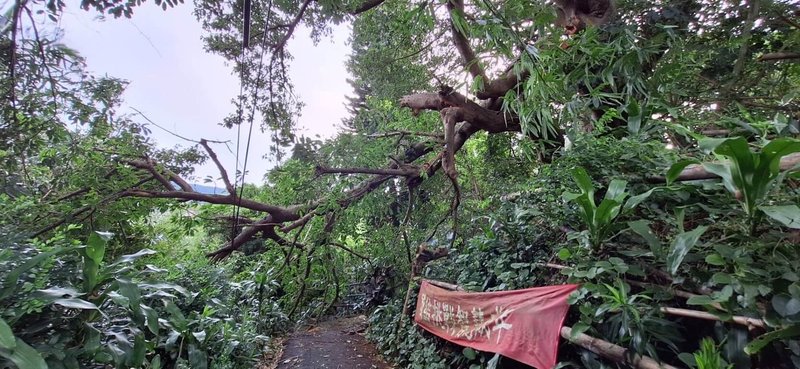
{"type": "Point", "coordinates": [186, 90]}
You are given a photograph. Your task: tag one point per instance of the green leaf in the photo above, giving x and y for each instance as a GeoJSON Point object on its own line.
{"type": "Point", "coordinates": [7, 340]}
{"type": "Point", "coordinates": [96, 246]}
{"type": "Point", "coordinates": [761, 341]}
{"type": "Point", "coordinates": [578, 328]}
{"type": "Point", "coordinates": [642, 228]}
{"type": "Point", "coordinates": [584, 182]}
{"type": "Point", "coordinates": [469, 353]}
{"type": "Point", "coordinates": [616, 190]}
{"type": "Point", "coordinates": [786, 305]}
{"type": "Point", "coordinates": [24, 356]}
{"type": "Point", "coordinates": [788, 215]}
{"type": "Point", "coordinates": [709, 144]}
{"type": "Point", "coordinates": [634, 117]}
{"type": "Point", "coordinates": [59, 293]}
{"type": "Point", "coordinates": [166, 286]}
{"type": "Point", "coordinates": [130, 290]}
{"type": "Point", "coordinates": [676, 169]}
{"type": "Point", "coordinates": [133, 257]}
{"type": "Point", "coordinates": [715, 259]}
{"type": "Point", "coordinates": [636, 200]}
{"type": "Point", "coordinates": [136, 358]}
{"type": "Point", "coordinates": [700, 300]}
{"type": "Point", "coordinates": [681, 246]}
{"type": "Point", "coordinates": [152, 318]}
{"type": "Point", "coordinates": [12, 278]}
{"type": "Point", "coordinates": [73, 303]}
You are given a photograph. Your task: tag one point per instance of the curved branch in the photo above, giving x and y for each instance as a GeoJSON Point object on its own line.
{"type": "Point", "coordinates": [222, 171]}
{"type": "Point", "coordinates": [291, 26]}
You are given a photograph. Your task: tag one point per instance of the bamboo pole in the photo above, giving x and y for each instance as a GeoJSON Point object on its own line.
{"type": "Point", "coordinates": [611, 351]}
{"type": "Point", "coordinates": [445, 285]}
{"type": "Point", "coordinates": [742, 320]}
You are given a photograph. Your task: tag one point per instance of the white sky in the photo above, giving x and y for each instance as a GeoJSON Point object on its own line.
{"type": "Point", "coordinates": [179, 86]}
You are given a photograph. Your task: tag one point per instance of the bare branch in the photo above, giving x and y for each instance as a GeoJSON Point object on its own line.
{"type": "Point", "coordinates": [282, 43]}
{"type": "Point", "coordinates": [778, 56]}
{"type": "Point", "coordinates": [150, 166]}
{"type": "Point", "coordinates": [350, 251]}
{"type": "Point", "coordinates": [89, 207]}
{"type": "Point", "coordinates": [222, 171]}
{"type": "Point", "coordinates": [401, 133]}
{"type": "Point", "coordinates": [409, 171]}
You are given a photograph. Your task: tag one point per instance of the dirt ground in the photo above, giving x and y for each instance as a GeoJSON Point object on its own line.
{"type": "Point", "coordinates": [334, 344]}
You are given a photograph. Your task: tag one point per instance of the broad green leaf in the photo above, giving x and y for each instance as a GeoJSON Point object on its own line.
{"type": "Point", "coordinates": [606, 212]}
{"type": "Point", "coordinates": [133, 257]}
{"type": "Point", "coordinates": [634, 117]}
{"type": "Point", "coordinates": [681, 246]}
{"type": "Point", "coordinates": [642, 228]}
{"type": "Point", "coordinates": [616, 190]}
{"type": "Point", "coordinates": [136, 358]}
{"type": "Point", "coordinates": [724, 172]}
{"type": "Point", "coordinates": [709, 144]}
{"type": "Point", "coordinates": [634, 201]}
{"type": "Point", "coordinates": [166, 286]}
{"type": "Point", "coordinates": [59, 293]}
{"type": "Point", "coordinates": [761, 341]}
{"type": "Point", "coordinates": [676, 169]}
{"type": "Point", "coordinates": [130, 290]}
{"type": "Point", "coordinates": [91, 271]}
{"type": "Point", "coordinates": [7, 339]}
{"type": "Point", "coordinates": [788, 215]}
{"type": "Point", "coordinates": [24, 356]}
{"type": "Point", "coordinates": [584, 182]}
{"type": "Point", "coordinates": [152, 318]}
{"type": "Point", "coordinates": [96, 246]}
{"type": "Point", "coordinates": [73, 303]}
{"type": "Point", "coordinates": [12, 278]}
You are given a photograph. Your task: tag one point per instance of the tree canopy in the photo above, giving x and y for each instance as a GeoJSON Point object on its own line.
{"type": "Point", "coordinates": [469, 122]}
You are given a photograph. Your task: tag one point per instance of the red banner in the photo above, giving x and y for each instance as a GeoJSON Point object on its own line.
{"type": "Point", "coordinates": [522, 324]}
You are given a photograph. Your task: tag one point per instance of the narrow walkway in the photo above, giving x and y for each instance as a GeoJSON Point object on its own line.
{"type": "Point", "coordinates": [335, 344]}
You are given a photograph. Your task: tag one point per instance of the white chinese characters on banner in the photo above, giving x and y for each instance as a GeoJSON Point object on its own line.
{"type": "Point", "coordinates": [461, 323]}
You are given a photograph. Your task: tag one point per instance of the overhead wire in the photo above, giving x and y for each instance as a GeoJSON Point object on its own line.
{"type": "Point", "coordinates": [245, 45]}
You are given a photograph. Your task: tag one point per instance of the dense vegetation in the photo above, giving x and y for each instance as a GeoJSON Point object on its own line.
{"type": "Point", "coordinates": [478, 133]}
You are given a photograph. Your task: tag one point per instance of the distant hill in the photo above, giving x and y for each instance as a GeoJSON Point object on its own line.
{"type": "Point", "coordinates": [210, 190]}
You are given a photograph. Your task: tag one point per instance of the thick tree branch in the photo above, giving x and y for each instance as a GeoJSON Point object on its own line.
{"type": "Point", "coordinates": [406, 133]}
{"type": "Point", "coordinates": [408, 171]}
{"type": "Point", "coordinates": [697, 172]}
{"type": "Point", "coordinates": [778, 56]}
{"type": "Point", "coordinates": [456, 10]}
{"type": "Point", "coordinates": [366, 5]}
